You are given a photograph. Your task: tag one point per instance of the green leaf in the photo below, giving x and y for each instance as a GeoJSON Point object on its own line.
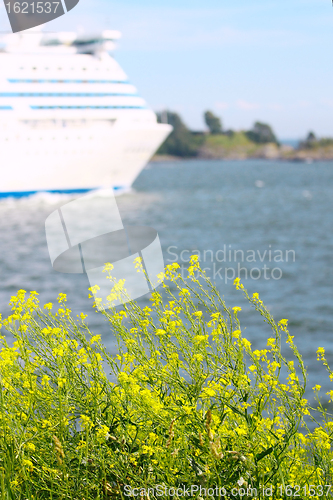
{"type": "Point", "coordinates": [264, 453]}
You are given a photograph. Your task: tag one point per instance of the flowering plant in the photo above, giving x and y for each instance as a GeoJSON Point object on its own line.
{"type": "Point", "coordinates": [186, 401]}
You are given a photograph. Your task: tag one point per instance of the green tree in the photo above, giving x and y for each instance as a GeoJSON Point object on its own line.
{"type": "Point", "coordinates": [311, 137]}
{"type": "Point", "coordinates": [180, 142]}
{"type": "Point", "coordinates": [311, 140]}
{"type": "Point", "coordinates": [213, 123]}
{"type": "Point", "coordinates": [261, 133]}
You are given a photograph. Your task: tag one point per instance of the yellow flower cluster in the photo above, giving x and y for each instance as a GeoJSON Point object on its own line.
{"type": "Point", "coordinates": [186, 400]}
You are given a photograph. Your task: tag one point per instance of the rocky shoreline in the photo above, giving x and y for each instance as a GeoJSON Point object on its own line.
{"type": "Point", "coordinates": [269, 151]}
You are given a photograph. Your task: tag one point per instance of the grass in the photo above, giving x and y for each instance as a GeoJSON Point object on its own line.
{"type": "Point", "coordinates": [186, 402]}
{"type": "Point", "coordinates": [237, 144]}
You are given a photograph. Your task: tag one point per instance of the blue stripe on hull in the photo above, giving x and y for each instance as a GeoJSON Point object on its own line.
{"type": "Point", "coordinates": [22, 194]}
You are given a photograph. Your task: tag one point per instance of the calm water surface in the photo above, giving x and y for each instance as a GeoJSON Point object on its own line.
{"type": "Point", "coordinates": [273, 214]}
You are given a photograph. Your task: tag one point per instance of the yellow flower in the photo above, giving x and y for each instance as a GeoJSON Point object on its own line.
{"type": "Point", "coordinates": [94, 289]}
{"type": "Point", "coordinates": [330, 394]}
{"type": "Point", "coordinates": [246, 343]}
{"type": "Point", "coordinates": [236, 309]}
{"type": "Point", "coordinates": [241, 431]}
{"type": "Point", "coordinates": [62, 297]}
{"type": "Point", "coordinates": [198, 339]}
{"type": "Point", "coordinates": [271, 342]}
{"type": "Point", "coordinates": [208, 392]}
{"type": "Point", "coordinates": [58, 351]}
{"type": "Point", "coordinates": [138, 264]}
{"type": "Point", "coordinates": [81, 444]}
{"type": "Point", "coordinates": [320, 353]}
{"type": "Point", "coordinates": [238, 284]}
{"type": "Point", "coordinates": [107, 267]}
{"type": "Point", "coordinates": [86, 422]}
{"type": "Point", "coordinates": [236, 334]}
{"type": "Point", "coordinates": [188, 409]}
{"type": "Point", "coordinates": [149, 450]}
{"type": "Point", "coordinates": [102, 433]}
{"type": "Point", "coordinates": [46, 423]}
{"type": "Point", "coordinates": [61, 382]}
{"type": "Point", "coordinates": [160, 331]}
{"type": "Point", "coordinates": [95, 338]}
{"type": "Point", "coordinates": [27, 463]}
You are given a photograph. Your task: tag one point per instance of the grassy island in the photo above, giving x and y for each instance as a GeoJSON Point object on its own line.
{"type": "Point", "coordinates": [259, 142]}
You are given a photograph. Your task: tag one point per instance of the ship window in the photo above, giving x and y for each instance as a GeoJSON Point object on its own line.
{"type": "Point", "coordinates": [88, 107]}
{"type": "Point", "coordinates": [16, 80]}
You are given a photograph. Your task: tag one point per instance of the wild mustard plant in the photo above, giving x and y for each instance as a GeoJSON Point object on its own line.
{"type": "Point", "coordinates": [185, 401]}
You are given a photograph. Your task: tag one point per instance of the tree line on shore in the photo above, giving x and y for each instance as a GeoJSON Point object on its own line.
{"type": "Point", "coordinates": [186, 143]}
{"type": "Point", "coordinates": [312, 142]}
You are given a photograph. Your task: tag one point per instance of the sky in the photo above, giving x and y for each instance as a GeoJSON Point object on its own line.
{"type": "Point", "coordinates": [245, 60]}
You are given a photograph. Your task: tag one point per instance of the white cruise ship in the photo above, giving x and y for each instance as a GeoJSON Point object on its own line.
{"type": "Point", "coordinates": [69, 118]}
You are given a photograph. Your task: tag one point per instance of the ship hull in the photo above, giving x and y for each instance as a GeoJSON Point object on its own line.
{"type": "Point", "coordinates": [76, 159]}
